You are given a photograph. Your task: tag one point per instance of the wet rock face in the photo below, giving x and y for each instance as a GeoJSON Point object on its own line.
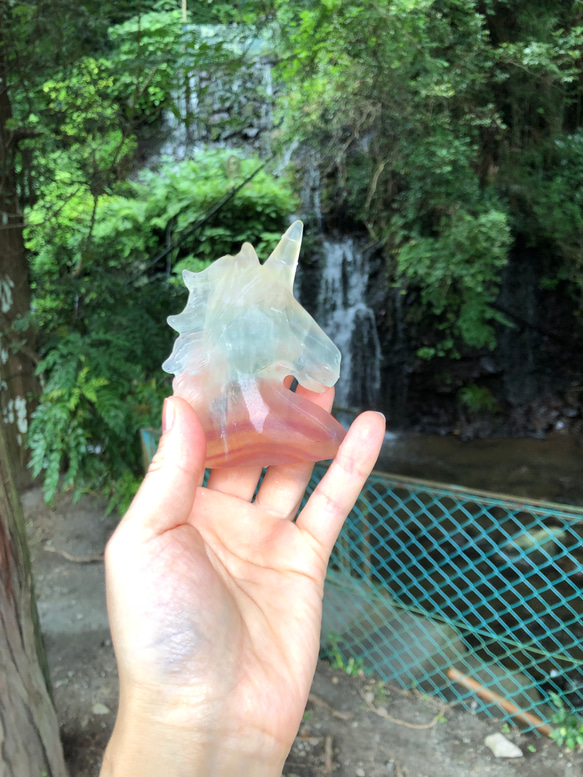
{"type": "Point", "coordinates": [538, 354]}
{"type": "Point", "coordinates": [441, 414]}
{"type": "Point", "coordinates": [239, 108]}
{"type": "Point", "coordinates": [233, 109]}
{"type": "Point", "coordinates": [531, 376]}
{"type": "Point", "coordinates": [519, 346]}
{"type": "Point", "coordinates": [534, 376]}
{"type": "Point", "coordinates": [365, 353]}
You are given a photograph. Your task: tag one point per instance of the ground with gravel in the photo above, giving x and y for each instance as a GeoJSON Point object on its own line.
{"type": "Point", "coordinates": [354, 726]}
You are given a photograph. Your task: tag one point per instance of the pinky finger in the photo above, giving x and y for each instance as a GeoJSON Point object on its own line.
{"type": "Point", "coordinates": [335, 496]}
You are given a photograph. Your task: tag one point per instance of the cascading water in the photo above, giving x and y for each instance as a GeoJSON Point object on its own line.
{"type": "Point", "coordinates": [345, 316]}
{"type": "Point", "coordinates": [181, 130]}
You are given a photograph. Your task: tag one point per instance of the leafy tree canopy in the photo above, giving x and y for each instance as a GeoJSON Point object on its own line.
{"type": "Point", "coordinates": [450, 130]}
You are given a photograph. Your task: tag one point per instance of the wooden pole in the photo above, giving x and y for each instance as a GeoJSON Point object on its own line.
{"type": "Point", "coordinates": [505, 704]}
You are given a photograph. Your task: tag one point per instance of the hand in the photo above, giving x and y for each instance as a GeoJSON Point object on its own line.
{"type": "Point", "coordinates": [215, 603]}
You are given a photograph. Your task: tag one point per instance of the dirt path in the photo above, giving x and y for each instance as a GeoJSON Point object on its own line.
{"type": "Point", "coordinates": [341, 735]}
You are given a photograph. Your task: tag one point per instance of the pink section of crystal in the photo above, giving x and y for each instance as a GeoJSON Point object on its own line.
{"type": "Point", "coordinates": [267, 425]}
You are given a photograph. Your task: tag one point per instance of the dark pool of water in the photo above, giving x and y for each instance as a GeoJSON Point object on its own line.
{"type": "Point", "coordinates": [549, 469]}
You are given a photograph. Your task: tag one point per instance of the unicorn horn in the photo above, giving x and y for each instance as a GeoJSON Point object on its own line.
{"type": "Point", "coordinates": [284, 259]}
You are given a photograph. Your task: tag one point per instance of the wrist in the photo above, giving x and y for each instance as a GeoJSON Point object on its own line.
{"type": "Point", "coordinates": [156, 755]}
{"type": "Point", "coordinates": [157, 746]}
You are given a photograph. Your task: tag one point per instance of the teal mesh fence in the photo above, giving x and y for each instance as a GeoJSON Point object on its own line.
{"type": "Point", "coordinates": [473, 597]}
{"type": "Point", "coordinates": [430, 583]}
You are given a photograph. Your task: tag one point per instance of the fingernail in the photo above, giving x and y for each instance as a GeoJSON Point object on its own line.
{"type": "Point", "coordinates": [167, 415]}
{"type": "Point", "coordinates": [382, 415]}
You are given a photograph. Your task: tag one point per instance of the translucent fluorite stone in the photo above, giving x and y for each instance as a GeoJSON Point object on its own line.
{"type": "Point", "coordinates": [241, 334]}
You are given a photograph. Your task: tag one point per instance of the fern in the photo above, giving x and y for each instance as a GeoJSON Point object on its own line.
{"type": "Point", "coordinates": [96, 397]}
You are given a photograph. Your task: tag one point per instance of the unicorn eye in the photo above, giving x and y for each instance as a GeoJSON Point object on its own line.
{"type": "Point", "coordinates": [241, 333]}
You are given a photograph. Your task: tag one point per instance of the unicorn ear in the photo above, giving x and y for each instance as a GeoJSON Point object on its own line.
{"type": "Point", "coordinates": [284, 259]}
{"type": "Point", "coordinates": [247, 254]}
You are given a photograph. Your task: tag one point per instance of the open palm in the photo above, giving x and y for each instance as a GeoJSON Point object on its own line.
{"type": "Point", "coordinates": [215, 596]}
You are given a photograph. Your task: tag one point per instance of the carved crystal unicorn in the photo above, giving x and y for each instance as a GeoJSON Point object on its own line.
{"type": "Point", "coordinates": [241, 334]}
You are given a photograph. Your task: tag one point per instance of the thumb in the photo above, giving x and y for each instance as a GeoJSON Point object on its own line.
{"type": "Point", "coordinates": [167, 493]}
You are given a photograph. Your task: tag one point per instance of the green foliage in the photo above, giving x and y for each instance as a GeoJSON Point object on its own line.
{"type": "Point", "coordinates": [78, 145]}
{"type": "Point", "coordinates": [477, 399]}
{"type": "Point", "coordinates": [352, 666]}
{"type": "Point", "coordinates": [120, 232]}
{"type": "Point", "coordinates": [558, 206]}
{"type": "Point", "coordinates": [106, 244]}
{"type": "Point", "coordinates": [77, 104]}
{"type": "Point", "coordinates": [144, 59]}
{"type": "Point", "coordinates": [451, 131]}
{"type": "Point", "coordinates": [100, 388]}
{"type": "Point", "coordinates": [180, 194]}
{"type": "Point", "coordinates": [458, 271]}
{"type": "Point", "coordinates": [442, 128]}
{"type": "Point", "coordinates": [569, 729]}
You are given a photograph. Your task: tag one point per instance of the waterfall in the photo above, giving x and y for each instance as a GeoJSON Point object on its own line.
{"type": "Point", "coordinates": [181, 126]}
{"type": "Point", "coordinates": [311, 199]}
{"type": "Point", "coordinates": [345, 316]}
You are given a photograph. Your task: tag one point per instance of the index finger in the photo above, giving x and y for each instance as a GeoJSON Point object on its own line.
{"type": "Point", "coordinates": [165, 498]}
{"type": "Point", "coordinates": [335, 495]}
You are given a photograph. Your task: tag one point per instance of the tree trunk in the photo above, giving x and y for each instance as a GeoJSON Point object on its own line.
{"type": "Point", "coordinates": [29, 732]}
{"type": "Point", "coordinates": [17, 359]}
